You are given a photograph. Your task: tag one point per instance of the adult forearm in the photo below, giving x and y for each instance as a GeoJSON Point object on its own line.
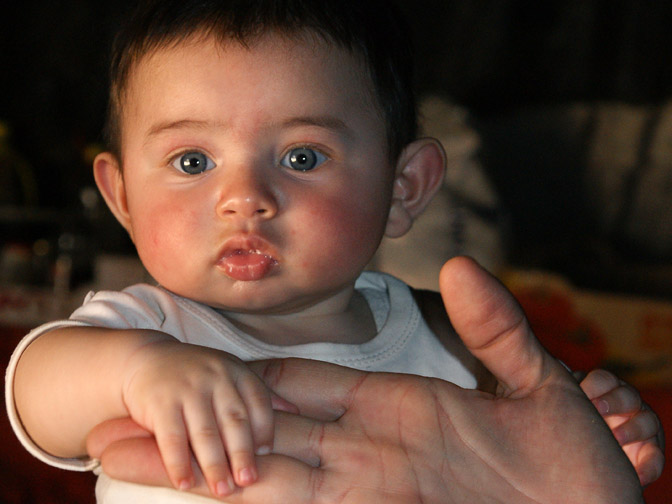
{"type": "Point", "coordinates": [70, 379]}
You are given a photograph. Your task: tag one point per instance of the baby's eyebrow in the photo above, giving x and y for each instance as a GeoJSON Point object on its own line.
{"type": "Point", "coordinates": [321, 121]}
{"type": "Point", "coordinates": [163, 126]}
{"type": "Point", "coordinates": [327, 122]}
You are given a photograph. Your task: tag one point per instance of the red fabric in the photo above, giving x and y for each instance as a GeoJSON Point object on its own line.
{"type": "Point", "coordinates": [660, 400]}
{"type": "Point", "coordinates": [23, 478]}
{"type": "Point", "coordinates": [580, 345]}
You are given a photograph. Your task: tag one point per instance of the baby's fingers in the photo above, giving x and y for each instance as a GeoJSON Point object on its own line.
{"type": "Point", "coordinates": [207, 443]}
{"type": "Point", "coordinates": [258, 400]}
{"type": "Point", "coordinates": [171, 438]}
{"type": "Point", "coordinates": [236, 426]}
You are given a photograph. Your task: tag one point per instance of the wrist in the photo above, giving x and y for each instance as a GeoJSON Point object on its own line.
{"type": "Point", "coordinates": [144, 355]}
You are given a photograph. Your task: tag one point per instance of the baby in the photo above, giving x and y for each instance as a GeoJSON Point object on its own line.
{"type": "Point", "coordinates": [259, 151]}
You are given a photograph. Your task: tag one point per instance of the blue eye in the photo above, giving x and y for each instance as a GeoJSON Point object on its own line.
{"type": "Point", "coordinates": [193, 163]}
{"type": "Point", "coordinates": [303, 159]}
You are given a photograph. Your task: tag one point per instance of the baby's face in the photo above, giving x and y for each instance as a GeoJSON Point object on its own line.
{"type": "Point", "coordinates": [257, 179]}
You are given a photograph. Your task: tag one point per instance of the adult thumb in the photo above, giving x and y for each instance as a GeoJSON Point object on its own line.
{"type": "Point", "coordinates": [493, 326]}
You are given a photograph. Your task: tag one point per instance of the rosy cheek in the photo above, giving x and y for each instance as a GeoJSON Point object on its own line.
{"type": "Point", "coordinates": [346, 234]}
{"type": "Point", "coordinates": [162, 236]}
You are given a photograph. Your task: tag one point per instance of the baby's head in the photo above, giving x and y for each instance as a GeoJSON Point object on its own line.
{"type": "Point", "coordinates": [371, 30]}
{"type": "Point", "coordinates": [266, 145]}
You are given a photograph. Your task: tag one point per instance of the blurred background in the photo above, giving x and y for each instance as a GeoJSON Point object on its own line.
{"type": "Point", "coordinates": [557, 122]}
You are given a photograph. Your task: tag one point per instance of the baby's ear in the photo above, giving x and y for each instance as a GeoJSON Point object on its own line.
{"type": "Point", "coordinates": [110, 182]}
{"type": "Point", "coordinates": [419, 175]}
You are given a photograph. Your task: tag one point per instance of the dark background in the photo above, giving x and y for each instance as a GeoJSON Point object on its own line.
{"type": "Point", "coordinates": [495, 58]}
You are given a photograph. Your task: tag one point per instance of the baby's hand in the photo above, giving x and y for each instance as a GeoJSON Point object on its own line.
{"type": "Point", "coordinates": [635, 426]}
{"type": "Point", "coordinates": [198, 397]}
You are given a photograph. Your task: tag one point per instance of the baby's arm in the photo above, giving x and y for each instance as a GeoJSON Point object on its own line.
{"type": "Point", "coordinates": [71, 379]}
{"type": "Point", "coordinates": [635, 426]}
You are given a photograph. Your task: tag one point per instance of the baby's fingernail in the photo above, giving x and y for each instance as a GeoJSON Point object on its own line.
{"type": "Point", "coordinates": [247, 475]}
{"type": "Point", "coordinates": [185, 484]}
{"type": "Point", "coordinates": [225, 487]}
{"type": "Point", "coordinates": [263, 450]}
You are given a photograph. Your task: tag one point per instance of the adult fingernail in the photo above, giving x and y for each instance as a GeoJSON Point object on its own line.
{"type": "Point", "coordinates": [622, 436]}
{"type": "Point", "coordinates": [602, 406]}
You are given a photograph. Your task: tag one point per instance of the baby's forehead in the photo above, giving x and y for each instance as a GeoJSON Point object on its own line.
{"type": "Point", "coordinates": [289, 43]}
{"type": "Point", "coordinates": [271, 85]}
{"type": "Point", "coordinates": [289, 47]}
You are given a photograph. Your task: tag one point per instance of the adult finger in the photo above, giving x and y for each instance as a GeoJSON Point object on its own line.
{"type": "Point", "coordinates": [623, 400]}
{"type": "Point", "coordinates": [320, 390]}
{"type": "Point", "coordinates": [111, 431]}
{"type": "Point", "coordinates": [598, 382]}
{"type": "Point", "coordinates": [640, 427]}
{"type": "Point", "coordinates": [493, 326]}
{"type": "Point", "coordinates": [138, 460]}
{"type": "Point", "coordinates": [610, 395]}
{"type": "Point", "coordinates": [128, 452]}
{"type": "Point", "coordinates": [649, 461]}
{"type": "Point", "coordinates": [299, 437]}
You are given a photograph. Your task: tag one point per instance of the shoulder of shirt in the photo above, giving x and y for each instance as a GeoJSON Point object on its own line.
{"type": "Point", "coordinates": [154, 295]}
{"type": "Point", "coordinates": [379, 280]}
{"type": "Point", "coordinates": [139, 305]}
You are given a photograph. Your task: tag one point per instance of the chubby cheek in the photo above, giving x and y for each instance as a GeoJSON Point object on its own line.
{"type": "Point", "coordinates": [166, 239]}
{"type": "Point", "coordinates": [342, 237]}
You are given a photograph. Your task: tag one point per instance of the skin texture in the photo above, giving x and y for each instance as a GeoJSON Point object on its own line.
{"type": "Point", "coordinates": [380, 438]}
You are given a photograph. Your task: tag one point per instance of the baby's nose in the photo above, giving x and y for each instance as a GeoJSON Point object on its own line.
{"type": "Point", "coordinates": [246, 207]}
{"type": "Point", "coordinates": [247, 197]}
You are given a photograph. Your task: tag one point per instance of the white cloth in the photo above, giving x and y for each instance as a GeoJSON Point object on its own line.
{"type": "Point", "coordinates": [404, 344]}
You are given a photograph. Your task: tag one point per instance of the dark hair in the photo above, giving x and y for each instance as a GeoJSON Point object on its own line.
{"type": "Point", "coordinates": [374, 29]}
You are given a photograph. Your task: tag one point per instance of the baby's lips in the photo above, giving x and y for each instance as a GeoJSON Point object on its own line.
{"type": "Point", "coordinates": [246, 265]}
{"type": "Point", "coordinates": [247, 257]}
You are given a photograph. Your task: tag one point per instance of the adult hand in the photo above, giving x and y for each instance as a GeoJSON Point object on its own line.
{"type": "Point", "coordinates": [384, 438]}
{"type": "Point", "coordinates": [633, 423]}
